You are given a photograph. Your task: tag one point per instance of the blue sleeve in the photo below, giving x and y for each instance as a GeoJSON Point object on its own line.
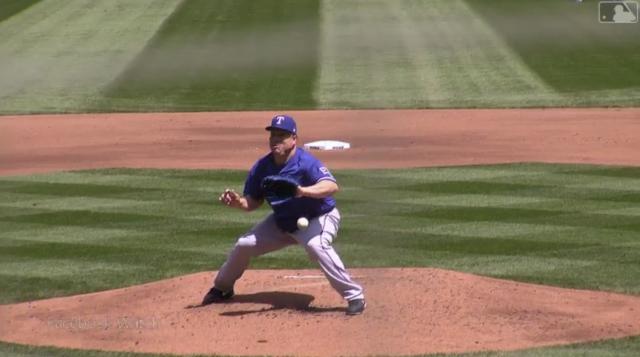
{"type": "Point", "coordinates": [252, 184]}
{"type": "Point", "coordinates": [318, 172]}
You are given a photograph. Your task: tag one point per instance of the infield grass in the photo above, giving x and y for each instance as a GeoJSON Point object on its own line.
{"type": "Point", "coordinates": [75, 232]}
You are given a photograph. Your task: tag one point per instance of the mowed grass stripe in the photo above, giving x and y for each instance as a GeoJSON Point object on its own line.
{"type": "Point", "coordinates": [417, 54]}
{"type": "Point", "coordinates": [12, 7]}
{"type": "Point", "coordinates": [589, 63]}
{"type": "Point", "coordinates": [65, 234]}
{"type": "Point", "coordinates": [555, 37]}
{"type": "Point", "coordinates": [224, 55]}
{"type": "Point", "coordinates": [491, 220]}
{"type": "Point", "coordinates": [58, 55]}
{"type": "Point", "coordinates": [55, 268]}
{"type": "Point", "coordinates": [455, 218]}
{"type": "Point", "coordinates": [78, 203]}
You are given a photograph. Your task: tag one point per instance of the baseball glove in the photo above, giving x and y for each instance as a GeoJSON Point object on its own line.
{"type": "Point", "coordinates": [280, 187]}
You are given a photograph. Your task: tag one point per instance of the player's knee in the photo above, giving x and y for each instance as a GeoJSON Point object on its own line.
{"type": "Point", "coordinates": [246, 244]}
{"type": "Point", "coordinates": [313, 252]}
{"type": "Point", "coordinates": [316, 246]}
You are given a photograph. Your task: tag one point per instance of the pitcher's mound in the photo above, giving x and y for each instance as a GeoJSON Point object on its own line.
{"type": "Point", "coordinates": [281, 312]}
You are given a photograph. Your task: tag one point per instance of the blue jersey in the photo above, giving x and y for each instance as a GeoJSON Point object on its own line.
{"type": "Point", "coordinates": [305, 169]}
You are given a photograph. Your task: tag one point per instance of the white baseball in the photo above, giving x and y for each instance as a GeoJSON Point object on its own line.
{"type": "Point", "coordinates": [303, 223]}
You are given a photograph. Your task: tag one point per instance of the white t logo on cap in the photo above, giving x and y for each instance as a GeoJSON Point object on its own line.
{"type": "Point", "coordinates": [279, 119]}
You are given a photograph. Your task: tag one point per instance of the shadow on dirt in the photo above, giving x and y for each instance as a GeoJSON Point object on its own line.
{"type": "Point", "coordinates": [279, 300]}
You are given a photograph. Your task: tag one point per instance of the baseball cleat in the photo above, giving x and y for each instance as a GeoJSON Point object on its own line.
{"type": "Point", "coordinates": [215, 296]}
{"type": "Point", "coordinates": [356, 307]}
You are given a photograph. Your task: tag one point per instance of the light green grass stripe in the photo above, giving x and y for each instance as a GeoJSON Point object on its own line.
{"type": "Point", "coordinates": [414, 53]}
{"type": "Point", "coordinates": [56, 268]}
{"type": "Point", "coordinates": [616, 97]}
{"type": "Point", "coordinates": [617, 184]}
{"type": "Point", "coordinates": [77, 177]}
{"type": "Point", "coordinates": [628, 211]}
{"type": "Point", "coordinates": [461, 173]}
{"type": "Point", "coordinates": [473, 200]}
{"type": "Point", "coordinates": [58, 55]}
{"type": "Point", "coordinates": [209, 184]}
{"type": "Point", "coordinates": [66, 235]}
{"type": "Point", "coordinates": [484, 229]}
{"type": "Point", "coordinates": [520, 265]}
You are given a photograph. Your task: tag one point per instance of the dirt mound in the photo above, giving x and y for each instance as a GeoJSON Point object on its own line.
{"type": "Point", "coordinates": [281, 312]}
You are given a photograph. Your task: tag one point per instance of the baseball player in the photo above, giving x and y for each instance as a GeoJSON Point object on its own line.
{"type": "Point", "coordinates": [312, 200]}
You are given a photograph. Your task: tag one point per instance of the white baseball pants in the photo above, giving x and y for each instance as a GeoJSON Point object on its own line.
{"type": "Point", "coordinates": [266, 237]}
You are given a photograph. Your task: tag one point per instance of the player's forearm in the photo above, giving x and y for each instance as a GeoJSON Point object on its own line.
{"type": "Point", "coordinates": [321, 189]}
{"type": "Point", "coordinates": [248, 204]}
{"type": "Point", "coordinates": [245, 203]}
{"type": "Point", "coordinates": [241, 203]}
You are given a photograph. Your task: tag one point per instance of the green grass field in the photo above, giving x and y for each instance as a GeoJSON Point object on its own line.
{"type": "Point", "coordinates": [201, 55]}
{"type": "Point", "coordinates": [538, 223]}
{"type": "Point", "coordinates": [546, 224]}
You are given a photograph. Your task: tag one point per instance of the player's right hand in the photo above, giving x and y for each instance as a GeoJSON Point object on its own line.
{"type": "Point", "coordinates": [229, 197]}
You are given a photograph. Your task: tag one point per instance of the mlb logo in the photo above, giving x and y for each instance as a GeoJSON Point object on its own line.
{"type": "Point", "coordinates": [618, 12]}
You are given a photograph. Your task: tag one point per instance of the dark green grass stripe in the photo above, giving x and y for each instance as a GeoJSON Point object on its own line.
{"type": "Point", "coordinates": [521, 189]}
{"type": "Point", "coordinates": [470, 245]}
{"type": "Point", "coordinates": [209, 176]}
{"type": "Point", "coordinates": [226, 55]}
{"type": "Point", "coordinates": [9, 8]}
{"type": "Point", "coordinates": [8, 211]}
{"type": "Point", "coordinates": [598, 171]}
{"type": "Point", "coordinates": [524, 215]}
{"type": "Point", "coordinates": [84, 218]}
{"type": "Point", "coordinates": [478, 187]}
{"type": "Point", "coordinates": [13, 287]}
{"type": "Point", "coordinates": [99, 252]}
{"type": "Point", "coordinates": [68, 189]}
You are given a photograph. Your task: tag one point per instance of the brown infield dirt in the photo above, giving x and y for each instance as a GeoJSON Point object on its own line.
{"type": "Point", "coordinates": [281, 312]}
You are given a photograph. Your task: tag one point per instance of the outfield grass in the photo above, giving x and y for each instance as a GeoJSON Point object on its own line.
{"type": "Point", "coordinates": [555, 37]}
{"type": "Point", "coordinates": [58, 56]}
{"type": "Point", "coordinates": [474, 53]}
{"type": "Point", "coordinates": [414, 53]}
{"type": "Point", "coordinates": [565, 225]}
{"type": "Point", "coordinates": [12, 7]}
{"type": "Point", "coordinates": [224, 55]}
{"type": "Point", "coordinates": [201, 55]}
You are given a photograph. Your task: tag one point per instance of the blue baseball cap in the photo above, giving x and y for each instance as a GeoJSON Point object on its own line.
{"type": "Point", "coordinates": [283, 122]}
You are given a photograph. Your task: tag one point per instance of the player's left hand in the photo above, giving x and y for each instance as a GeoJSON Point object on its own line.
{"type": "Point", "coordinates": [280, 187]}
